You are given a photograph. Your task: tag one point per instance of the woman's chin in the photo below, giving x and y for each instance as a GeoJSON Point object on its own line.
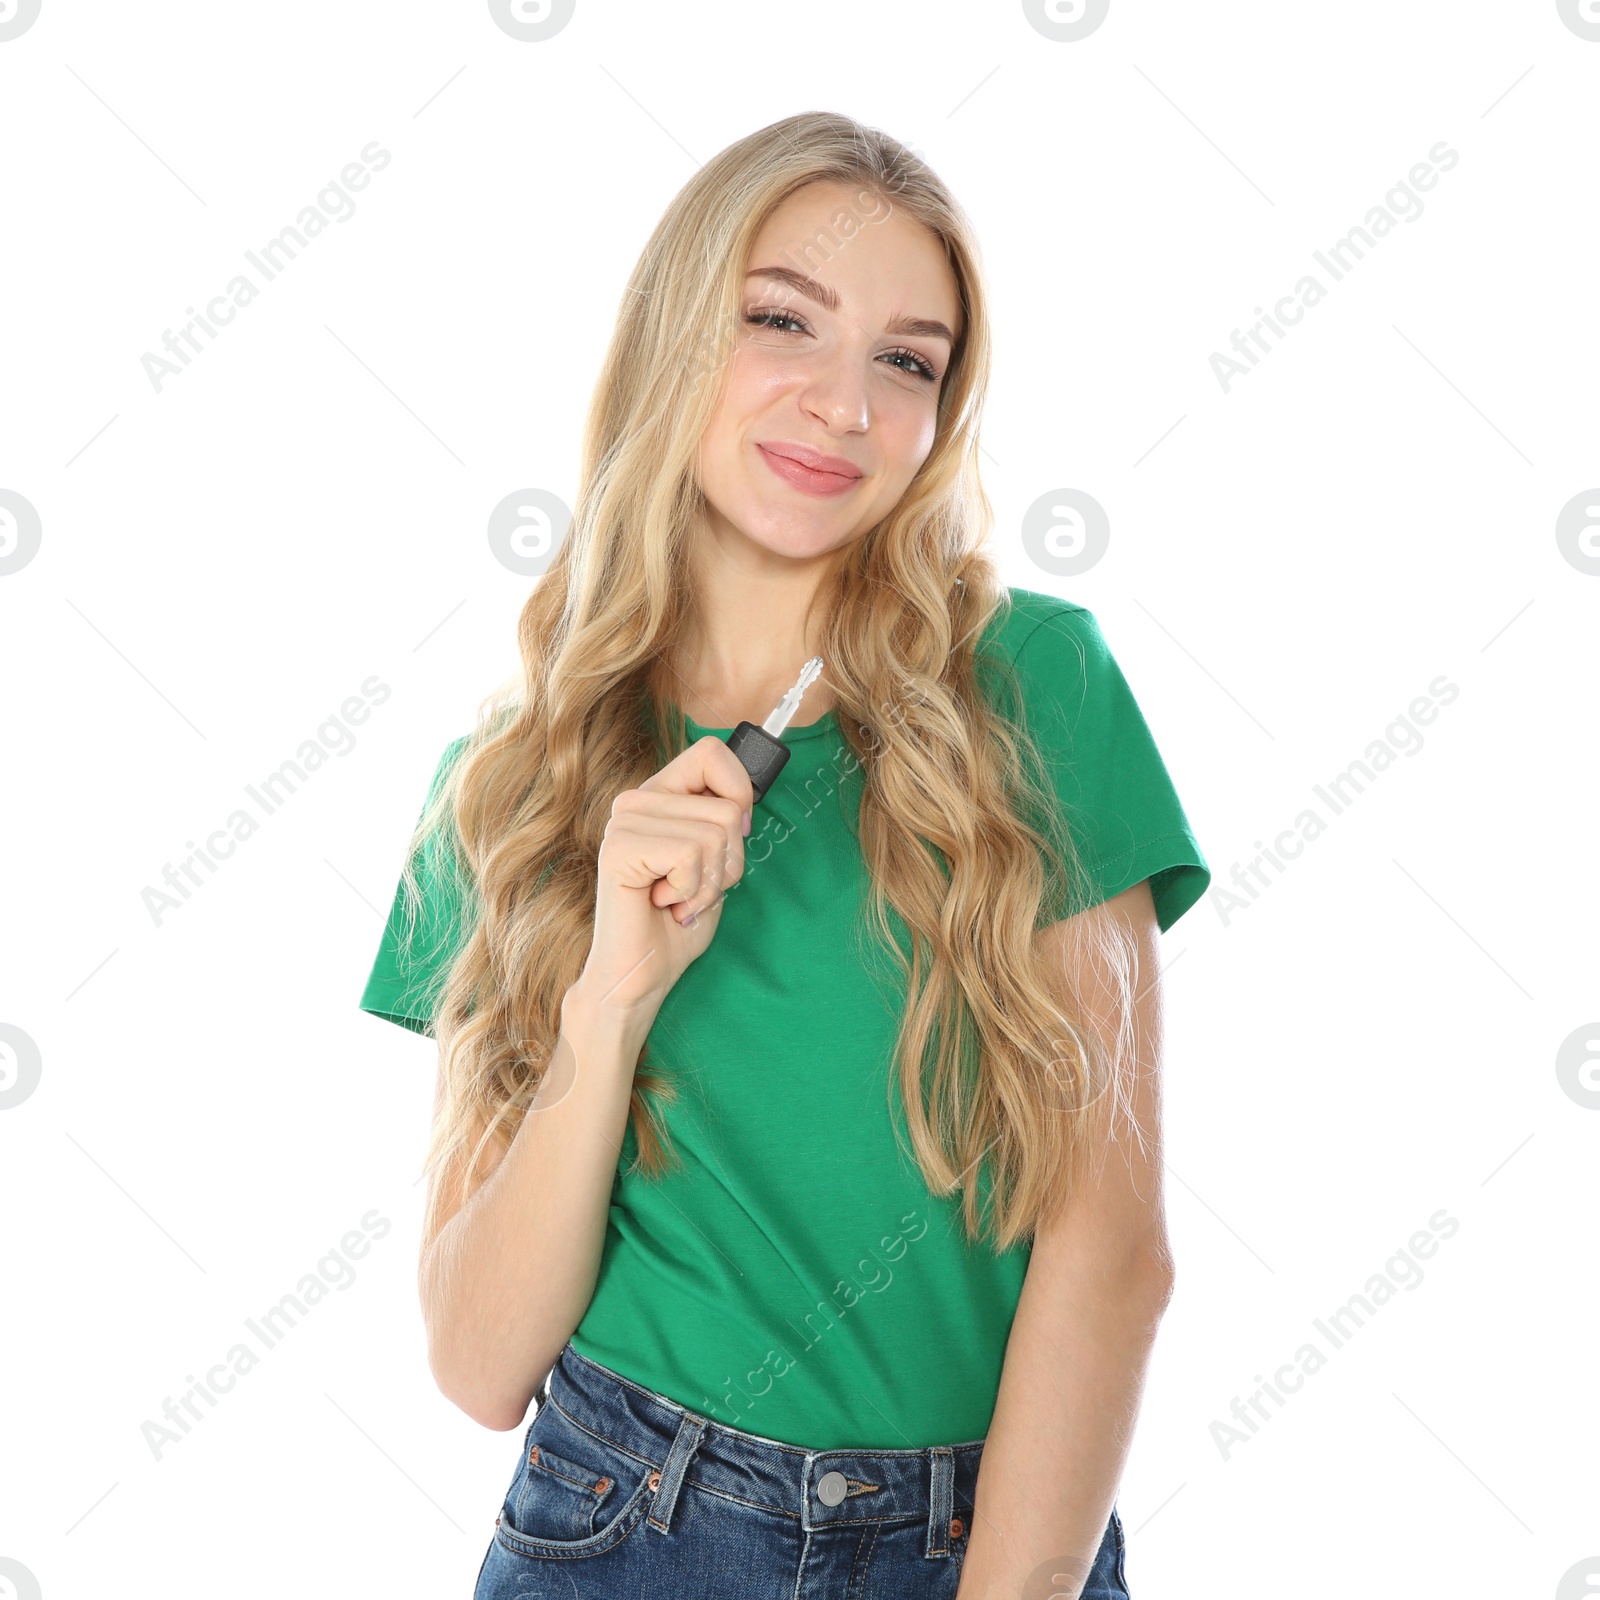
{"type": "Point", "coordinates": [779, 533]}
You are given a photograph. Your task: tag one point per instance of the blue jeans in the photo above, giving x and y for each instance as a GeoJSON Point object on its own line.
{"type": "Point", "coordinates": [621, 1493]}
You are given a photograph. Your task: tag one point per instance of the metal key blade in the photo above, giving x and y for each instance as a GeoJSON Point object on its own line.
{"type": "Point", "coordinates": [786, 707]}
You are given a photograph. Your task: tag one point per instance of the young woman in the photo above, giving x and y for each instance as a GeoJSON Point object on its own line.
{"type": "Point", "coordinates": [799, 1155]}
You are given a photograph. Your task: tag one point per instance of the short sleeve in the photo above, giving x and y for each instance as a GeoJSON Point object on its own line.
{"type": "Point", "coordinates": [1122, 811]}
{"type": "Point", "coordinates": [419, 944]}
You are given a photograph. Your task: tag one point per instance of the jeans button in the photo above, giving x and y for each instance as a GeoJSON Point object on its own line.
{"type": "Point", "coordinates": [831, 1488]}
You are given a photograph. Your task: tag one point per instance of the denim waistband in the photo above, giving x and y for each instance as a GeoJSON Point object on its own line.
{"type": "Point", "coordinates": [938, 1482]}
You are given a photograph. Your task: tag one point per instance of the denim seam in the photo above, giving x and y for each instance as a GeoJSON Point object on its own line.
{"type": "Point", "coordinates": [597, 1544]}
{"type": "Point", "coordinates": [805, 1557]}
{"type": "Point", "coordinates": [566, 1477]}
{"type": "Point", "coordinates": [871, 1544]}
{"type": "Point", "coordinates": [601, 1438]}
{"type": "Point", "coordinates": [739, 1499]}
{"type": "Point", "coordinates": [721, 1494]}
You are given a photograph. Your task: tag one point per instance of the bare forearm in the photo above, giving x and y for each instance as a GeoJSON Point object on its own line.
{"type": "Point", "coordinates": [1069, 1398]}
{"type": "Point", "coordinates": [511, 1274]}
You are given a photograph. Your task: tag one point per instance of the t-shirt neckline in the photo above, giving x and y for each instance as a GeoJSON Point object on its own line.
{"type": "Point", "coordinates": [790, 735]}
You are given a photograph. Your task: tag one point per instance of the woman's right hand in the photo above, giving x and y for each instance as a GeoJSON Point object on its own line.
{"type": "Point", "coordinates": [671, 850]}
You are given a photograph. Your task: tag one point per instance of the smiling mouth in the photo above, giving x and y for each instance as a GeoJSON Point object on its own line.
{"type": "Point", "coordinates": [809, 480]}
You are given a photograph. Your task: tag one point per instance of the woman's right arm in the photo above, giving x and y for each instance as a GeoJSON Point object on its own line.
{"type": "Point", "coordinates": [507, 1278]}
{"type": "Point", "coordinates": [507, 1275]}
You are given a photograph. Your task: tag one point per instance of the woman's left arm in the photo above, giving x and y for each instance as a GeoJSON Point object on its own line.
{"type": "Point", "coordinates": [1099, 1278]}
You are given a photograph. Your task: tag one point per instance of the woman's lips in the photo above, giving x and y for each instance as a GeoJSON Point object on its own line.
{"type": "Point", "coordinates": [807, 479]}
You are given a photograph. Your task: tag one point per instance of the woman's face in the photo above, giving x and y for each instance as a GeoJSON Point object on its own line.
{"type": "Point", "coordinates": [845, 336]}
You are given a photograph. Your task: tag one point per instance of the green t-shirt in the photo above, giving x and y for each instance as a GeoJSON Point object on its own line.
{"type": "Point", "coordinates": [791, 1275]}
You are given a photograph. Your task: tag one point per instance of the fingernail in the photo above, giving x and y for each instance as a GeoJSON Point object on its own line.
{"type": "Point", "coordinates": [689, 922]}
{"type": "Point", "coordinates": [747, 824]}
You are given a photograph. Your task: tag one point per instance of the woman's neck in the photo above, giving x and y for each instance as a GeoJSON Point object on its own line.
{"type": "Point", "coordinates": [748, 636]}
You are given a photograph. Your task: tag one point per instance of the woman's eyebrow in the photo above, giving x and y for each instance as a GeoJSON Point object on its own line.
{"type": "Point", "coordinates": [825, 297]}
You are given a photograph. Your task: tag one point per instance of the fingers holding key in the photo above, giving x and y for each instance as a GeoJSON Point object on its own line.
{"type": "Point", "coordinates": [695, 843]}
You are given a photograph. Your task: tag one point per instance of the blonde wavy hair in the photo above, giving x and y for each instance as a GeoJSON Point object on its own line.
{"type": "Point", "coordinates": [997, 1064]}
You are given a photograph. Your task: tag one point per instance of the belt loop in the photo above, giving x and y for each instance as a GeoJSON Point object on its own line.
{"type": "Point", "coordinates": [690, 1431]}
{"type": "Point", "coordinates": [941, 1501]}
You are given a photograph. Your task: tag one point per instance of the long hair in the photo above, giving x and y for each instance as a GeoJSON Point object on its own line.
{"type": "Point", "coordinates": [999, 1069]}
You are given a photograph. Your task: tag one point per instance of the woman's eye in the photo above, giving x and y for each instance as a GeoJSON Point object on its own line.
{"type": "Point", "coordinates": [771, 319]}
{"type": "Point", "coordinates": [918, 365]}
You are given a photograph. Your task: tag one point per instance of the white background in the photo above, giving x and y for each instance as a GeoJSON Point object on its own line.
{"type": "Point", "coordinates": [1291, 563]}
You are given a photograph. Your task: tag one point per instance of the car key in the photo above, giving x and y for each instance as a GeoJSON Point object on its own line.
{"type": "Point", "coordinates": [759, 749]}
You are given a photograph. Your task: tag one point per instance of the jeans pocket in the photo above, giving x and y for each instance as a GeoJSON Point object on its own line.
{"type": "Point", "coordinates": [561, 1499]}
{"type": "Point", "coordinates": [1122, 1550]}
{"type": "Point", "coordinates": [573, 1495]}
